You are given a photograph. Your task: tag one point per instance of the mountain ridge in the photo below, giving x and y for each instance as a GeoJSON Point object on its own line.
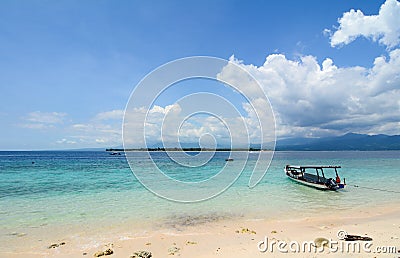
{"type": "Point", "coordinates": [349, 141]}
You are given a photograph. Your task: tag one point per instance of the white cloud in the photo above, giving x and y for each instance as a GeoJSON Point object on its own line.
{"type": "Point", "coordinates": [46, 117]}
{"type": "Point", "coordinates": [43, 120]}
{"type": "Point", "coordinates": [168, 125]}
{"type": "Point", "coordinates": [312, 100]}
{"type": "Point", "coordinates": [384, 27]}
{"type": "Point", "coordinates": [134, 124]}
{"type": "Point", "coordinates": [110, 115]}
{"type": "Point", "coordinates": [65, 141]}
{"type": "Point", "coordinates": [104, 130]}
{"type": "Point", "coordinates": [309, 98]}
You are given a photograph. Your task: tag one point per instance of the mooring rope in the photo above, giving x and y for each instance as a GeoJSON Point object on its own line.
{"type": "Point", "coordinates": [376, 189]}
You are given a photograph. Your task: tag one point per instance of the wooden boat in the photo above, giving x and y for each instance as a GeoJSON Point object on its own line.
{"type": "Point", "coordinates": [316, 179]}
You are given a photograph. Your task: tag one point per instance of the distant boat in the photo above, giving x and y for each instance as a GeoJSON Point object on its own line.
{"type": "Point", "coordinates": [317, 179]}
{"type": "Point", "coordinates": [115, 153]}
{"type": "Point", "coordinates": [229, 159]}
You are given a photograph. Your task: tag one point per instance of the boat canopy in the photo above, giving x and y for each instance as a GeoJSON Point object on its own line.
{"type": "Point", "coordinates": [315, 167]}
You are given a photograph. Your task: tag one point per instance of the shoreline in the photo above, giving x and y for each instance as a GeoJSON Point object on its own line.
{"type": "Point", "coordinates": [219, 237]}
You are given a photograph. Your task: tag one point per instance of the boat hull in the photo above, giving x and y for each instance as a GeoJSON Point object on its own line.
{"type": "Point", "coordinates": [317, 186]}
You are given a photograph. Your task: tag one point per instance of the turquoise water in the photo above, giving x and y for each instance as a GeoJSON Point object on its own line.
{"type": "Point", "coordinates": [42, 189]}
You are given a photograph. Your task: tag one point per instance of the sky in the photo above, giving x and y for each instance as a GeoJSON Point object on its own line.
{"type": "Point", "coordinates": [67, 68]}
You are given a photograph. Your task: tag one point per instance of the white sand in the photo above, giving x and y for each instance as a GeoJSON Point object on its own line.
{"type": "Point", "coordinates": [220, 238]}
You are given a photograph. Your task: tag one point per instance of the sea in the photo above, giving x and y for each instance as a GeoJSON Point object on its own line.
{"type": "Point", "coordinates": [75, 189]}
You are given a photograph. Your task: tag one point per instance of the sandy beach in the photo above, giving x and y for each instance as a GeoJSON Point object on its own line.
{"type": "Point", "coordinates": [220, 237]}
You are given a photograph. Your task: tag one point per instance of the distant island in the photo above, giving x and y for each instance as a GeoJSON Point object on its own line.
{"type": "Point", "coordinates": [346, 142]}
{"type": "Point", "coordinates": [185, 149]}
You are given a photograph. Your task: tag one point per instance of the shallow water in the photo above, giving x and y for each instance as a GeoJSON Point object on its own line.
{"type": "Point", "coordinates": [43, 189]}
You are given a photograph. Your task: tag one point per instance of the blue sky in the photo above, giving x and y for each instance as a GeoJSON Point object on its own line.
{"type": "Point", "coordinates": [69, 65]}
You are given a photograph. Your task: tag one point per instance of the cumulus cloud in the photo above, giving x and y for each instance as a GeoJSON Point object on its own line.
{"type": "Point", "coordinates": [383, 27]}
{"type": "Point", "coordinates": [171, 126]}
{"type": "Point", "coordinates": [310, 99]}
